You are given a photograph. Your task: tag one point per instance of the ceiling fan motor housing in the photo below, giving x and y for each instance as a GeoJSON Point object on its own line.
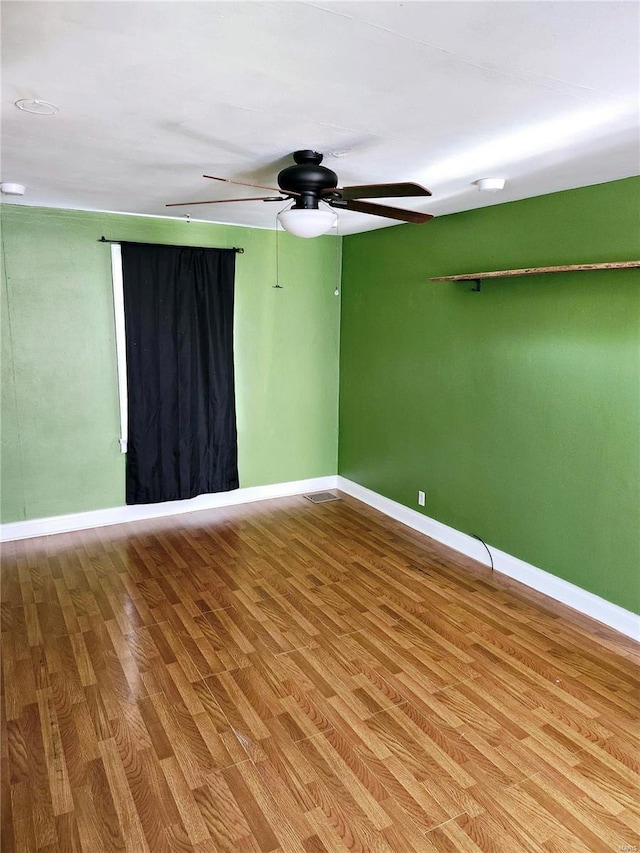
{"type": "Point", "coordinates": [308, 178]}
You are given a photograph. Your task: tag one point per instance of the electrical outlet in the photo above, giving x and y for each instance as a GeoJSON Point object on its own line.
{"type": "Point", "coordinates": [421, 498]}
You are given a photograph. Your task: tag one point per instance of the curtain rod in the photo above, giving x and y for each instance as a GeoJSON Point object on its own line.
{"type": "Point", "coordinates": [237, 249]}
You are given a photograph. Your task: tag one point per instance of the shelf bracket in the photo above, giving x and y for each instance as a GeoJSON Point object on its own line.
{"type": "Point", "coordinates": [478, 285]}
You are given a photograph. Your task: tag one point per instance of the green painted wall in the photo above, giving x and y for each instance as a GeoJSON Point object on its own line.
{"type": "Point", "coordinates": [60, 422]}
{"type": "Point", "coordinates": [516, 409]}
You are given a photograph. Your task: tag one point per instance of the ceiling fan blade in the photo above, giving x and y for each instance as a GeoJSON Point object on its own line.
{"type": "Point", "coordinates": [224, 201]}
{"type": "Point", "coordinates": [403, 190]}
{"type": "Point", "coordinates": [244, 184]}
{"type": "Point", "coordinates": [415, 216]}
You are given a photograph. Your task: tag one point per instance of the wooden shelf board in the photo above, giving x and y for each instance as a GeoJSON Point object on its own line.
{"type": "Point", "coordinates": [478, 276]}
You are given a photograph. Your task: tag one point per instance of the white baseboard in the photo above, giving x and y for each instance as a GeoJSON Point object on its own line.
{"type": "Point", "coordinates": [615, 617]}
{"type": "Point", "coordinates": [579, 599]}
{"type": "Point", "coordinates": [122, 514]}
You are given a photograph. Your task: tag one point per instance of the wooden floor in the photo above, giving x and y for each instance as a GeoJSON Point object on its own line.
{"type": "Point", "coordinates": [292, 677]}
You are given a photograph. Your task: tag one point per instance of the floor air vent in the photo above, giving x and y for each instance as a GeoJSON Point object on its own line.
{"type": "Point", "coordinates": [322, 497]}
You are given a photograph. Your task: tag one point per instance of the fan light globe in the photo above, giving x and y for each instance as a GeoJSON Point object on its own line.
{"type": "Point", "coordinates": [307, 222]}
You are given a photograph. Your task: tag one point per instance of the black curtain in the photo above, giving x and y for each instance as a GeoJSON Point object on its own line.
{"type": "Point", "coordinates": [178, 304]}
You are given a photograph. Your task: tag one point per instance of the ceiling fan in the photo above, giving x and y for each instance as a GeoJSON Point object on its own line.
{"type": "Point", "coordinates": [308, 184]}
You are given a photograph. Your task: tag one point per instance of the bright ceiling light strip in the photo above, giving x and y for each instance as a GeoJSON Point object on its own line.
{"type": "Point", "coordinates": [545, 136]}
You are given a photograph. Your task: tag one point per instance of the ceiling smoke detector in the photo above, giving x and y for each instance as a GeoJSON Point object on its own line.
{"type": "Point", "coordinates": [37, 107]}
{"type": "Point", "coordinates": [12, 189]}
{"type": "Point", "coordinates": [490, 185]}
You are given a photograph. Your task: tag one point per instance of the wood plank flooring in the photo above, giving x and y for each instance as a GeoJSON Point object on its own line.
{"type": "Point", "coordinates": [290, 677]}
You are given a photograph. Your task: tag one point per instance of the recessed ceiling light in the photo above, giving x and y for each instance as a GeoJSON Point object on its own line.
{"type": "Point", "coordinates": [33, 105]}
{"type": "Point", "coordinates": [490, 185]}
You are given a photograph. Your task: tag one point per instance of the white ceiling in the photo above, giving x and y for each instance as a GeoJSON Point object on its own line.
{"type": "Point", "coordinates": [153, 94]}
